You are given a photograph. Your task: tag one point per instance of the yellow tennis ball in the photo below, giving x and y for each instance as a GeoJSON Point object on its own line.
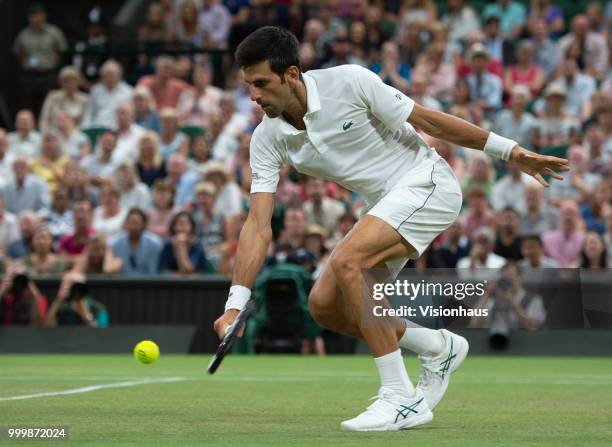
{"type": "Point", "coordinates": [146, 351]}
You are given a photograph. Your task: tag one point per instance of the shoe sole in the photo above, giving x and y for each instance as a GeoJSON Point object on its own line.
{"type": "Point", "coordinates": [404, 425]}
{"type": "Point", "coordinates": [462, 353]}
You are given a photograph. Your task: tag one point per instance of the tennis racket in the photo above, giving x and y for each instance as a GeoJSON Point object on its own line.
{"type": "Point", "coordinates": [231, 335]}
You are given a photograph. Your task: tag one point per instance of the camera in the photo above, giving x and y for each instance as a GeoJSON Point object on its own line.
{"type": "Point", "coordinates": [78, 291]}
{"type": "Point", "coordinates": [20, 284]}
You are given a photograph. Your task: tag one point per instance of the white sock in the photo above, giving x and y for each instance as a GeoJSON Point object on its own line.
{"type": "Point", "coordinates": [393, 373]}
{"type": "Point", "coordinates": [423, 341]}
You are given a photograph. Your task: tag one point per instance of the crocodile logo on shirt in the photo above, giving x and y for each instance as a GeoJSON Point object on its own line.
{"type": "Point", "coordinates": [346, 125]}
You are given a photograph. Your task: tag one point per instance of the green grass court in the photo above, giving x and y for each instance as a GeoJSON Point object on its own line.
{"type": "Point", "coordinates": [300, 401]}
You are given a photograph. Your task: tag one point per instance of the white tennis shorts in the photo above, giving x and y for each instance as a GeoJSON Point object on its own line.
{"type": "Point", "coordinates": [420, 206]}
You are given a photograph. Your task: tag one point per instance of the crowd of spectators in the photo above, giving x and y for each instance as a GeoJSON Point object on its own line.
{"type": "Point", "coordinates": [101, 176]}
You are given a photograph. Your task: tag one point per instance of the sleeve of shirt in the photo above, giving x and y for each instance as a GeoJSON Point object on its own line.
{"type": "Point", "coordinates": [387, 103]}
{"type": "Point", "coordinates": [265, 163]}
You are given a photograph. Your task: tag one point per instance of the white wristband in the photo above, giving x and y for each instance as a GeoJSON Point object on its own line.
{"type": "Point", "coordinates": [238, 297]}
{"type": "Point", "coordinates": [499, 147]}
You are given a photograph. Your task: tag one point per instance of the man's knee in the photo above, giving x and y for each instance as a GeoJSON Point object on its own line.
{"type": "Point", "coordinates": [322, 307]}
{"type": "Point", "coordinates": [346, 266]}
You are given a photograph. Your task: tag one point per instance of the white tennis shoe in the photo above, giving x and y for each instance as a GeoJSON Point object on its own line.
{"type": "Point", "coordinates": [391, 411]}
{"type": "Point", "coordinates": [436, 371]}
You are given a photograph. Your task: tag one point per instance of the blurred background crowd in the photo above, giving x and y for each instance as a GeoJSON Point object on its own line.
{"type": "Point", "coordinates": [143, 168]}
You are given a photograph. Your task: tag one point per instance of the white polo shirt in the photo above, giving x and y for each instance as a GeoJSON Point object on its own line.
{"type": "Point", "coordinates": [356, 135]}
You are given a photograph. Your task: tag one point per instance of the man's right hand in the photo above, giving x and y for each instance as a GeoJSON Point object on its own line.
{"type": "Point", "coordinates": [225, 321]}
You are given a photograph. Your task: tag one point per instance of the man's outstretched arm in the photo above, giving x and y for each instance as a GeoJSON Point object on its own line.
{"type": "Point", "coordinates": [255, 237]}
{"type": "Point", "coordinates": [460, 132]}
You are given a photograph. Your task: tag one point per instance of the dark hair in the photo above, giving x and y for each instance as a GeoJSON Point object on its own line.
{"type": "Point", "coordinates": [603, 257]}
{"type": "Point", "coordinates": [138, 212]}
{"type": "Point", "coordinates": [270, 43]}
{"type": "Point", "coordinates": [176, 218]}
{"type": "Point", "coordinates": [532, 237]}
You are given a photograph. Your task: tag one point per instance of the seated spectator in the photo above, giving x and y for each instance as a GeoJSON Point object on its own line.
{"type": "Point", "coordinates": [134, 193]}
{"type": "Point", "coordinates": [183, 253]}
{"type": "Point", "coordinates": [211, 227]}
{"type": "Point", "coordinates": [509, 191]}
{"type": "Point", "coordinates": [150, 164]}
{"type": "Point", "coordinates": [72, 245]}
{"type": "Point", "coordinates": [508, 242]}
{"type": "Point", "coordinates": [67, 99]}
{"type": "Point", "coordinates": [478, 213]}
{"type": "Point", "coordinates": [155, 30]}
{"type": "Point", "coordinates": [390, 69]}
{"type": "Point", "coordinates": [342, 51]}
{"type": "Point", "coordinates": [163, 85]}
{"type": "Point", "coordinates": [512, 16]}
{"type": "Point", "coordinates": [105, 96]}
{"type": "Point", "coordinates": [97, 257]}
{"type": "Point", "coordinates": [137, 248]}
{"type": "Point", "coordinates": [480, 173]}
{"type": "Point", "coordinates": [596, 208]}
{"type": "Point", "coordinates": [108, 218]}
{"type": "Point", "coordinates": [536, 217]}
{"type": "Point", "coordinates": [501, 49]}
{"type": "Point", "coordinates": [200, 154]}
{"type": "Point", "coordinates": [6, 159]}
{"type": "Point", "coordinates": [418, 92]}
{"type": "Point", "coordinates": [294, 227]}
{"type": "Point", "coordinates": [73, 142]}
{"type": "Point", "coordinates": [551, 13]}
{"type": "Point", "coordinates": [590, 108]}
{"type": "Point", "coordinates": [160, 215]}
{"type": "Point", "coordinates": [21, 303]}
{"type": "Point", "coordinates": [196, 107]}
{"type": "Point", "coordinates": [579, 87]}
{"type": "Point", "coordinates": [554, 125]}
{"type": "Point", "coordinates": [594, 255]}
{"type": "Point", "coordinates": [233, 124]}
{"type": "Point", "coordinates": [320, 209]}
{"type": "Point", "coordinates": [20, 248]}
{"type": "Point", "coordinates": [532, 251]}
{"type": "Point", "coordinates": [481, 256]}
{"type": "Point", "coordinates": [460, 19]}
{"type": "Point", "coordinates": [172, 140]}
{"type": "Point", "coordinates": [215, 21]}
{"type": "Point", "coordinates": [462, 104]}
{"type": "Point", "coordinates": [25, 191]}
{"type": "Point", "coordinates": [186, 29]}
{"type": "Point", "coordinates": [73, 305]}
{"type": "Point", "coordinates": [516, 121]}
{"type": "Point", "coordinates": [599, 162]}
{"type": "Point", "coordinates": [578, 183]}
{"type": "Point", "coordinates": [9, 227]}
{"type": "Point", "coordinates": [26, 139]}
{"type": "Point", "coordinates": [545, 53]}
{"type": "Point", "coordinates": [58, 220]}
{"type": "Point", "coordinates": [50, 165]}
{"type": "Point", "coordinates": [128, 134]}
{"type": "Point", "coordinates": [592, 46]}
{"type": "Point", "coordinates": [42, 260]}
{"type": "Point", "coordinates": [183, 180]}
{"type": "Point", "coordinates": [455, 245]}
{"type": "Point", "coordinates": [145, 110]}
{"type": "Point", "coordinates": [314, 243]}
{"type": "Point", "coordinates": [78, 185]}
{"type": "Point", "coordinates": [565, 244]}
{"type": "Point", "coordinates": [100, 166]}
{"type": "Point", "coordinates": [485, 88]}
{"type": "Point", "coordinates": [525, 71]}
{"type": "Point", "coordinates": [228, 201]}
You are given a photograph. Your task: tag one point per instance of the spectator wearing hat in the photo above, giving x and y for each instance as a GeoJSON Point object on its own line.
{"type": "Point", "coordinates": [578, 183]}
{"type": "Point", "coordinates": [554, 126]}
{"type": "Point", "coordinates": [25, 140]}
{"type": "Point", "coordinates": [105, 97]}
{"type": "Point", "coordinates": [228, 201]}
{"type": "Point", "coordinates": [67, 99]}
{"type": "Point", "coordinates": [145, 110]}
{"type": "Point", "coordinates": [183, 253]}
{"type": "Point", "coordinates": [536, 217]}
{"type": "Point", "coordinates": [564, 245]}
{"type": "Point", "coordinates": [591, 47]}
{"type": "Point", "coordinates": [165, 87]}
{"type": "Point", "coordinates": [478, 213]}
{"type": "Point", "coordinates": [391, 69]}
{"type": "Point", "coordinates": [320, 209]}
{"type": "Point", "coordinates": [512, 16]}
{"type": "Point", "coordinates": [25, 191]}
{"type": "Point", "coordinates": [196, 106]}
{"type": "Point", "coordinates": [39, 49]}
{"type": "Point", "coordinates": [481, 256]}
{"type": "Point", "coordinates": [485, 88]}
{"type": "Point", "coordinates": [515, 120]}
{"type": "Point", "coordinates": [138, 249]}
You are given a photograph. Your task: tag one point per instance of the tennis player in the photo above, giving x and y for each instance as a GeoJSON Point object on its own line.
{"type": "Point", "coordinates": [345, 125]}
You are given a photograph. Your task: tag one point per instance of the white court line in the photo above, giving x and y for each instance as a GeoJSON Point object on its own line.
{"type": "Point", "coordinates": [91, 388]}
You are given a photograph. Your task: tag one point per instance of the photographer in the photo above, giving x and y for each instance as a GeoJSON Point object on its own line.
{"type": "Point", "coordinates": [72, 305]}
{"type": "Point", "coordinates": [510, 307]}
{"type": "Point", "coordinates": [21, 302]}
